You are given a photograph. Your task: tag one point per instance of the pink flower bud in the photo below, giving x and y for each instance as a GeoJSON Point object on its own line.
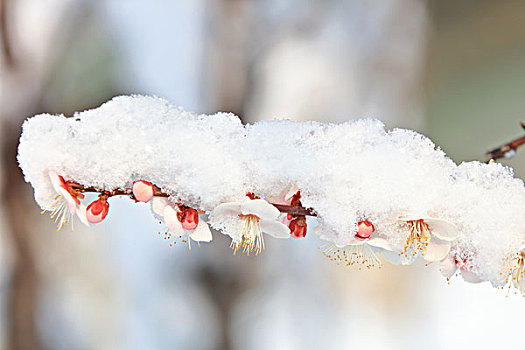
{"type": "Point", "coordinates": [189, 218]}
{"type": "Point", "coordinates": [364, 229]}
{"type": "Point", "coordinates": [143, 191]}
{"type": "Point", "coordinates": [298, 227]}
{"type": "Point", "coordinates": [97, 211]}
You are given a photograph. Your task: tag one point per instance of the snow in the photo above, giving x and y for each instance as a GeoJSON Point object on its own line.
{"type": "Point", "coordinates": [347, 172]}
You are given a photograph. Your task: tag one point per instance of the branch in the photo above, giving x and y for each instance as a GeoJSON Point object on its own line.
{"type": "Point", "coordinates": [508, 150]}
{"type": "Point", "coordinates": [283, 208]}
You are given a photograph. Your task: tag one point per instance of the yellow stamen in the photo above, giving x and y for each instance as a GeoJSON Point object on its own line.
{"type": "Point", "coordinates": [417, 240]}
{"type": "Point", "coordinates": [173, 239]}
{"type": "Point", "coordinates": [251, 238]}
{"type": "Point", "coordinates": [361, 254]}
{"type": "Point", "coordinates": [60, 212]}
{"type": "Point", "coordinates": [517, 272]}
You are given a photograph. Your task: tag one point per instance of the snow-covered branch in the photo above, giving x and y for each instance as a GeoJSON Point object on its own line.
{"type": "Point", "coordinates": [371, 194]}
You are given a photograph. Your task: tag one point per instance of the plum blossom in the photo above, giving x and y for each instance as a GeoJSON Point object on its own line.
{"type": "Point", "coordinates": [361, 249]}
{"type": "Point", "coordinates": [182, 221]}
{"type": "Point", "coordinates": [66, 202]}
{"type": "Point", "coordinates": [517, 272]}
{"type": "Point", "coordinates": [451, 264]}
{"type": "Point", "coordinates": [298, 227]}
{"type": "Point", "coordinates": [296, 223]}
{"type": "Point", "coordinates": [286, 195]}
{"type": "Point", "coordinates": [143, 191]}
{"type": "Point", "coordinates": [97, 211]}
{"type": "Point", "coordinates": [427, 237]}
{"type": "Point", "coordinates": [246, 221]}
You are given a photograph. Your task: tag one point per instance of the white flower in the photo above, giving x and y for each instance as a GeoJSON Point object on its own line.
{"type": "Point", "coordinates": [66, 202]}
{"type": "Point", "coordinates": [361, 249]}
{"type": "Point", "coordinates": [143, 191]}
{"type": "Point", "coordinates": [252, 218]}
{"type": "Point", "coordinates": [427, 237]}
{"type": "Point", "coordinates": [177, 223]}
{"type": "Point", "coordinates": [285, 197]}
{"type": "Point", "coordinates": [517, 272]}
{"type": "Point", "coordinates": [450, 265]}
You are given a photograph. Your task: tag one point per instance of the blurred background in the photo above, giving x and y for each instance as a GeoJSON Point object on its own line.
{"type": "Point", "coordinates": [453, 70]}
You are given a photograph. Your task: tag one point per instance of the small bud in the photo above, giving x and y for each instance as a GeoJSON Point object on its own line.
{"type": "Point", "coordinates": [143, 191]}
{"type": "Point", "coordinates": [251, 195]}
{"type": "Point", "coordinates": [365, 229]}
{"type": "Point", "coordinates": [298, 227]}
{"type": "Point", "coordinates": [189, 218]}
{"type": "Point", "coordinates": [296, 199]}
{"type": "Point", "coordinates": [97, 211]}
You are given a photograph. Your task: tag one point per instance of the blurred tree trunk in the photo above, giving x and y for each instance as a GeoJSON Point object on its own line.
{"type": "Point", "coordinates": [227, 84]}
{"type": "Point", "coordinates": [23, 294]}
{"type": "Point", "coordinates": [229, 72]}
{"type": "Point", "coordinates": [22, 297]}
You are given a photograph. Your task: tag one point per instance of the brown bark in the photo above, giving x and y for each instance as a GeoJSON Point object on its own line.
{"type": "Point", "coordinates": [22, 297]}
{"type": "Point", "coordinates": [283, 208]}
{"type": "Point", "coordinates": [7, 53]}
{"type": "Point", "coordinates": [507, 150]}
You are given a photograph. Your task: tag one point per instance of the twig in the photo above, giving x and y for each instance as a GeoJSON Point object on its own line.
{"type": "Point", "coordinates": [295, 210]}
{"type": "Point", "coordinates": [508, 150]}
{"type": "Point", "coordinates": [283, 208]}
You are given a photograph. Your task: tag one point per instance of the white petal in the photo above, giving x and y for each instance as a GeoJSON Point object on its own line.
{"type": "Point", "coordinates": [286, 195]}
{"type": "Point", "coordinates": [274, 228]}
{"type": "Point", "coordinates": [55, 180]}
{"type": "Point", "coordinates": [81, 213]}
{"type": "Point", "coordinates": [442, 229]}
{"type": "Point", "coordinates": [518, 281]}
{"type": "Point", "coordinates": [71, 203]}
{"type": "Point", "coordinates": [391, 256]}
{"type": "Point", "coordinates": [201, 233]}
{"type": "Point", "coordinates": [293, 190]}
{"type": "Point", "coordinates": [448, 266]}
{"type": "Point", "coordinates": [158, 204]}
{"type": "Point", "coordinates": [355, 241]}
{"type": "Point", "coordinates": [470, 277]}
{"type": "Point", "coordinates": [227, 209]}
{"type": "Point", "coordinates": [379, 243]}
{"type": "Point", "coordinates": [437, 250]}
{"type": "Point", "coordinates": [410, 218]}
{"type": "Point", "coordinates": [172, 222]}
{"type": "Point", "coordinates": [260, 208]}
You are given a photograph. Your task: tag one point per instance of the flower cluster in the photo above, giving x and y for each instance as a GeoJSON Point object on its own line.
{"type": "Point", "coordinates": [246, 221]}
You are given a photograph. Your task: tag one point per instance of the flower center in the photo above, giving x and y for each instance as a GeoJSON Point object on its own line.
{"type": "Point", "coordinates": [60, 212]}
{"type": "Point", "coordinates": [417, 240]}
{"type": "Point", "coordinates": [251, 238]}
{"type": "Point", "coordinates": [517, 272]}
{"type": "Point", "coordinates": [72, 191]}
